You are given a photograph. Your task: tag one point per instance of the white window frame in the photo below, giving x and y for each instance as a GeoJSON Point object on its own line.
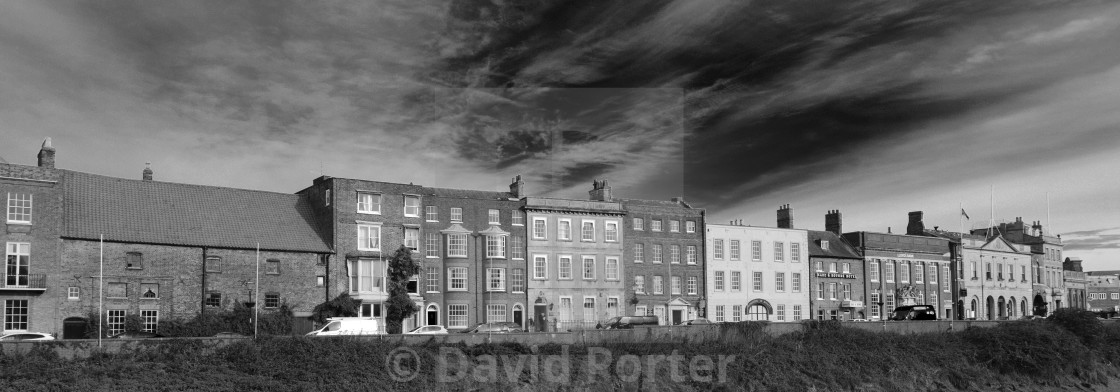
{"type": "Point", "coordinates": [540, 267]}
{"type": "Point", "coordinates": [457, 276]}
{"type": "Point", "coordinates": [734, 250]}
{"type": "Point", "coordinates": [779, 251]}
{"type": "Point", "coordinates": [717, 249]}
{"type": "Point", "coordinates": [517, 247]}
{"type": "Point", "coordinates": [431, 213]}
{"type": "Point", "coordinates": [431, 246]}
{"type": "Point", "coordinates": [495, 279]}
{"type": "Point", "coordinates": [640, 285]}
{"type": "Point", "coordinates": [614, 272]}
{"type": "Point", "coordinates": [592, 311]}
{"type": "Point", "coordinates": [690, 226]}
{"type": "Point", "coordinates": [796, 312]}
{"type": "Point", "coordinates": [517, 218]}
{"type": "Point", "coordinates": [373, 233]}
{"type": "Point", "coordinates": [584, 270]}
{"type": "Point", "coordinates": [674, 254]}
{"type": "Point", "coordinates": [690, 254]}
{"type": "Point", "coordinates": [517, 280]}
{"type": "Point", "coordinates": [584, 233]}
{"type": "Point", "coordinates": [114, 320]}
{"type": "Point", "coordinates": [719, 313]}
{"type": "Point", "coordinates": [561, 266]}
{"type": "Point", "coordinates": [846, 268]}
{"type": "Point", "coordinates": [757, 285]}
{"type": "Point", "coordinates": [457, 245]}
{"type": "Point", "coordinates": [149, 320]}
{"type": "Point", "coordinates": [691, 285]}
{"type": "Point", "coordinates": [432, 282]}
{"type": "Point", "coordinates": [373, 206]}
{"type": "Point", "coordinates": [658, 254]}
{"type": "Point", "coordinates": [494, 217]}
{"type": "Point", "coordinates": [780, 282]}
{"type": "Point", "coordinates": [415, 209]}
{"type": "Point", "coordinates": [655, 224]}
{"type": "Point", "coordinates": [874, 273]}
{"type": "Point", "coordinates": [795, 282]}
{"type": "Point", "coordinates": [756, 250]}
{"type": "Point", "coordinates": [73, 292]}
{"type": "Point", "coordinates": [736, 281]}
{"type": "Point", "coordinates": [20, 252]}
{"type": "Point", "coordinates": [675, 285]}
{"type": "Point", "coordinates": [639, 252]}
{"type": "Point", "coordinates": [412, 238]}
{"type": "Point", "coordinates": [563, 234]}
{"type": "Point", "coordinates": [16, 208]}
{"type": "Point", "coordinates": [366, 268]}
{"type": "Point", "coordinates": [540, 232]}
{"type": "Point", "coordinates": [658, 285]}
{"type": "Point", "coordinates": [674, 226]}
{"type": "Point", "coordinates": [719, 279]}
{"type": "Point", "coordinates": [496, 313]}
{"type": "Point", "coordinates": [456, 316]}
{"type": "Point", "coordinates": [456, 214]}
{"type": "Point", "coordinates": [496, 246]}
{"type": "Point", "coordinates": [780, 310]}
{"type": "Point", "coordinates": [610, 233]}
{"type": "Point", "coordinates": [795, 252]}
{"type": "Point", "coordinates": [639, 224]}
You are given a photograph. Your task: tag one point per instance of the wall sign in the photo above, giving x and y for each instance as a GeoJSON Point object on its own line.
{"type": "Point", "coordinates": [835, 275]}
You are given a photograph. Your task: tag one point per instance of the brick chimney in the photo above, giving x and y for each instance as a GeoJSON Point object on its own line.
{"type": "Point", "coordinates": [785, 217]}
{"type": "Point", "coordinates": [148, 171]}
{"type": "Point", "coordinates": [600, 191]}
{"type": "Point", "coordinates": [833, 222]}
{"type": "Point", "coordinates": [46, 154]}
{"type": "Point", "coordinates": [517, 187]}
{"type": "Point", "coordinates": [916, 226]}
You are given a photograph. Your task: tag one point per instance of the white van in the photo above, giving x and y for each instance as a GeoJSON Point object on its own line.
{"type": "Point", "coordinates": [339, 326]}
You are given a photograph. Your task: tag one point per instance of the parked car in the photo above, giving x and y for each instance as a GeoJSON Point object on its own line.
{"type": "Point", "coordinates": [697, 321]}
{"type": "Point", "coordinates": [858, 320]}
{"type": "Point", "coordinates": [627, 322]}
{"type": "Point", "coordinates": [136, 335]}
{"type": "Point", "coordinates": [914, 312]}
{"type": "Point", "coordinates": [338, 326]}
{"type": "Point", "coordinates": [428, 330]}
{"type": "Point", "coordinates": [502, 327]}
{"type": "Point", "coordinates": [230, 335]}
{"type": "Point", "coordinates": [26, 336]}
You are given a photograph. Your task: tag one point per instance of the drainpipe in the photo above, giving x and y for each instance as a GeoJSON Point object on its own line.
{"type": "Point", "coordinates": [202, 309]}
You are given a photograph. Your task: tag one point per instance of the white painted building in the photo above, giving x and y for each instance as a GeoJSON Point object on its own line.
{"type": "Point", "coordinates": [757, 273]}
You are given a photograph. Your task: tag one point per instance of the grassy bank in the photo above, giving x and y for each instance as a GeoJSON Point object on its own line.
{"type": "Point", "coordinates": [1068, 352]}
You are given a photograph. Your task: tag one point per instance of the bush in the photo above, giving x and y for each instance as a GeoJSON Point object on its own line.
{"type": "Point", "coordinates": [1082, 323]}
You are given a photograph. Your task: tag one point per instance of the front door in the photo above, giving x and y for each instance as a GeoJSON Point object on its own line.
{"type": "Point", "coordinates": [677, 315]}
{"type": "Point", "coordinates": [517, 316]}
{"type": "Point", "coordinates": [433, 317]}
{"type": "Point", "coordinates": [540, 317]}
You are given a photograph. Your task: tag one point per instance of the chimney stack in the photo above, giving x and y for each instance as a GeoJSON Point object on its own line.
{"type": "Point", "coordinates": [600, 191]}
{"type": "Point", "coordinates": [46, 154]}
{"type": "Point", "coordinates": [517, 187]}
{"type": "Point", "coordinates": [916, 226]}
{"type": "Point", "coordinates": [147, 171]}
{"type": "Point", "coordinates": [833, 222]}
{"type": "Point", "coordinates": [785, 217]}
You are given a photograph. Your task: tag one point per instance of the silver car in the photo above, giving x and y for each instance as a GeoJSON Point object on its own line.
{"type": "Point", "coordinates": [26, 336]}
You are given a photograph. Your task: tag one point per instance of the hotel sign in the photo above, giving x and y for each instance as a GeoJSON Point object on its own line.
{"type": "Point", "coordinates": [907, 255]}
{"type": "Point", "coordinates": [835, 275]}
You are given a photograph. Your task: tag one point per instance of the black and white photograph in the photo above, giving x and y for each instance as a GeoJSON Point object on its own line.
{"type": "Point", "coordinates": [543, 195]}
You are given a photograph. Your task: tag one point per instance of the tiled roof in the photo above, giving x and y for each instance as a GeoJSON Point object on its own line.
{"type": "Point", "coordinates": [836, 246]}
{"type": "Point", "coordinates": [653, 203]}
{"type": "Point", "coordinates": [189, 215]}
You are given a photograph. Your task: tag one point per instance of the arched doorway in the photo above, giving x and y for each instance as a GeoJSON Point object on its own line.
{"type": "Point", "coordinates": [432, 314]}
{"type": "Point", "coordinates": [519, 315]}
{"type": "Point", "coordinates": [1023, 306]}
{"type": "Point", "coordinates": [1011, 307]}
{"type": "Point", "coordinates": [972, 310]}
{"type": "Point", "coordinates": [1039, 306]}
{"type": "Point", "coordinates": [1002, 309]}
{"type": "Point", "coordinates": [989, 309]}
{"type": "Point", "coordinates": [74, 328]}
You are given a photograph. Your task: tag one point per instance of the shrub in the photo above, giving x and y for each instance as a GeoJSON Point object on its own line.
{"type": "Point", "coordinates": [1082, 323]}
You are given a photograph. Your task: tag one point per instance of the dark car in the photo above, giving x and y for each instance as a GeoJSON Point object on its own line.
{"type": "Point", "coordinates": [503, 327]}
{"type": "Point", "coordinates": [627, 322]}
{"type": "Point", "coordinates": [136, 335]}
{"type": "Point", "coordinates": [914, 312]}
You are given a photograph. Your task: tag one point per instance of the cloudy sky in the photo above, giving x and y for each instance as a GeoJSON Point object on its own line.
{"type": "Point", "coordinates": [875, 108]}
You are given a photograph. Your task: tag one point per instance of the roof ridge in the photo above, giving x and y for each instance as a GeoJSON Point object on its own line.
{"type": "Point", "coordinates": [178, 183]}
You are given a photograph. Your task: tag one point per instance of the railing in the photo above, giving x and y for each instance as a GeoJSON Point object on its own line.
{"type": "Point", "coordinates": [23, 282]}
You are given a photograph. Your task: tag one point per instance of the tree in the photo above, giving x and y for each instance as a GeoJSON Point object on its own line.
{"type": "Point", "coordinates": [340, 306]}
{"type": "Point", "coordinates": [399, 306]}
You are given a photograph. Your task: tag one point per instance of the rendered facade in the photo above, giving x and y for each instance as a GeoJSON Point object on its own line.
{"type": "Point", "coordinates": [757, 273]}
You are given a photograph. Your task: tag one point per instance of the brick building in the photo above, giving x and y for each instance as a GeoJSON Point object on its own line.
{"type": "Point", "coordinates": [836, 274]}
{"type": "Point", "coordinates": [1103, 292]}
{"type": "Point", "coordinates": [904, 269]}
{"type": "Point", "coordinates": [33, 224]}
{"type": "Point", "coordinates": [665, 252]}
{"type": "Point", "coordinates": [756, 273]}
{"type": "Point", "coordinates": [168, 251]}
{"type": "Point", "coordinates": [575, 251]}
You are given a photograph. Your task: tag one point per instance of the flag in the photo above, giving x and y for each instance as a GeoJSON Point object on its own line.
{"type": "Point", "coordinates": [965, 214]}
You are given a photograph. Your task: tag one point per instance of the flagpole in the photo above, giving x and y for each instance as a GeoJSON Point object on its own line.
{"type": "Point", "coordinates": [992, 219]}
{"type": "Point", "coordinates": [101, 290]}
{"type": "Point", "coordinates": [257, 292]}
{"type": "Point", "coordinates": [1048, 224]}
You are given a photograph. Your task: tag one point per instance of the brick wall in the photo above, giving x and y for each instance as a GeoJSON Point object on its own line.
{"type": "Point", "coordinates": [41, 237]}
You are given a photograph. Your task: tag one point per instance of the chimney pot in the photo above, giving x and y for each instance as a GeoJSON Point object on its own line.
{"type": "Point", "coordinates": [46, 154]}
{"type": "Point", "coordinates": [517, 187]}
{"type": "Point", "coordinates": [600, 191]}
{"type": "Point", "coordinates": [833, 222]}
{"type": "Point", "coordinates": [147, 171]}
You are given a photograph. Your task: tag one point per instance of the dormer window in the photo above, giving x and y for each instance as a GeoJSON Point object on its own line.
{"type": "Point", "coordinates": [824, 244]}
